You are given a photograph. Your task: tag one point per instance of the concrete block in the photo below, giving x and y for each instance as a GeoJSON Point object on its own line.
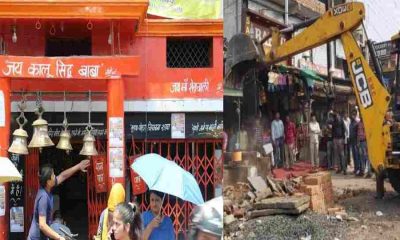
{"type": "Point", "coordinates": [282, 202]}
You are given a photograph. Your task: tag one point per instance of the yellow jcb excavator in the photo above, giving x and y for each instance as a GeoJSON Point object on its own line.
{"type": "Point", "coordinates": [373, 98]}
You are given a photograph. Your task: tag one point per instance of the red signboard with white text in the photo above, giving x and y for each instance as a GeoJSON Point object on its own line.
{"type": "Point", "coordinates": [68, 67]}
{"type": "Point", "coordinates": [145, 74]}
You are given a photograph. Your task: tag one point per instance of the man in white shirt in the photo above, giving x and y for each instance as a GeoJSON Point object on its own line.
{"type": "Point", "coordinates": [346, 121]}
{"type": "Point", "coordinates": [277, 133]}
{"type": "Point", "coordinates": [314, 135]}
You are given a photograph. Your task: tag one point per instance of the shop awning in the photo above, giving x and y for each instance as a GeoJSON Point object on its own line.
{"type": "Point", "coordinates": [74, 9]}
{"type": "Point", "coordinates": [310, 76]}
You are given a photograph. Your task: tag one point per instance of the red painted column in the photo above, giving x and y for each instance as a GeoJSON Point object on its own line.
{"type": "Point", "coordinates": [5, 85]}
{"type": "Point", "coordinates": [115, 114]}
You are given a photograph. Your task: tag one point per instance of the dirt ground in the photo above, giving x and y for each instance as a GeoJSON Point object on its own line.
{"type": "Point", "coordinates": [377, 218]}
{"type": "Point", "coordinates": [359, 200]}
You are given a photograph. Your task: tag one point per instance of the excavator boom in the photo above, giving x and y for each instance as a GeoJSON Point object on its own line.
{"type": "Point", "coordinates": [332, 24]}
{"type": "Point", "coordinates": [372, 97]}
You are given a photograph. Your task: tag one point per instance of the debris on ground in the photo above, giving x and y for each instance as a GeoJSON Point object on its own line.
{"type": "Point", "coordinates": [287, 227]}
{"type": "Point", "coordinates": [262, 197]}
{"type": "Point", "coordinates": [307, 208]}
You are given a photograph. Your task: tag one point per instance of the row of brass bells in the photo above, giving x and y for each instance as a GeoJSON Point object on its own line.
{"type": "Point", "coordinates": [89, 148]}
{"type": "Point", "coordinates": [41, 138]}
{"type": "Point", "coordinates": [65, 136]}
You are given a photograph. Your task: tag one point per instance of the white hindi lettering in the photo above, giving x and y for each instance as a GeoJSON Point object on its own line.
{"type": "Point", "coordinates": [39, 70]}
{"type": "Point", "coordinates": [89, 71]}
{"type": "Point", "coordinates": [150, 127]}
{"type": "Point", "coordinates": [190, 86]}
{"type": "Point", "coordinates": [184, 85]}
{"type": "Point", "coordinates": [63, 70]}
{"type": "Point", "coordinates": [111, 73]}
{"type": "Point", "coordinates": [13, 68]}
{"type": "Point", "coordinates": [175, 87]}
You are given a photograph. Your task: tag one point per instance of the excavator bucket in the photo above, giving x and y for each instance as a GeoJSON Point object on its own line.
{"type": "Point", "coordinates": [242, 50]}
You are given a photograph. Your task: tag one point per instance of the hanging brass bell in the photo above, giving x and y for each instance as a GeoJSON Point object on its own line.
{"type": "Point", "coordinates": [40, 134]}
{"type": "Point", "coordinates": [64, 143]}
{"type": "Point", "coordinates": [89, 148]}
{"type": "Point", "coordinates": [19, 144]}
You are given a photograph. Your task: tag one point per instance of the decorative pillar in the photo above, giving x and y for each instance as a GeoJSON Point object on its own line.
{"type": "Point", "coordinates": [115, 132]}
{"type": "Point", "coordinates": [5, 114]}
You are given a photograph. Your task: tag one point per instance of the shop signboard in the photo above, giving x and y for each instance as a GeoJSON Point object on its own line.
{"type": "Point", "coordinates": [68, 67]}
{"type": "Point", "coordinates": [147, 125]}
{"type": "Point", "coordinates": [314, 5]}
{"type": "Point", "coordinates": [16, 201]}
{"type": "Point", "coordinates": [204, 125]}
{"type": "Point", "coordinates": [383, 50]}
{"type": "Point", "coordinates": [186, 9]}
{"type": "Point", "coordinates": [160, 125]}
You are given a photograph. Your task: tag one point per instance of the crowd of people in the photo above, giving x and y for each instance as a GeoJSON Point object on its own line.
{"type": "Point", "coordinates": [344, 137]}
{"type": "Point", "coordinates": [121, 220]}
{"type": "Point", "coordinates": [346, 140]}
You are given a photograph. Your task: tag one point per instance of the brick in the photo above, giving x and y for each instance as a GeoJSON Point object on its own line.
{"type": "Point", "coordinates": [325, 177]}
{"type": "Point", "coordinates": [238, 212]}
{"type": "Point", "coordinates": [313, 180]}
{"type": "Point", "coordinates": [310, 190]}
{"type": "Point", "coordinates": [318, 178]}
{"type": "Point", "coordinates": [332, 211]}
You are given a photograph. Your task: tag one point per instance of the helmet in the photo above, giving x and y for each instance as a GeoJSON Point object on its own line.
{"type": "Point", "coordinates": [208, 218]}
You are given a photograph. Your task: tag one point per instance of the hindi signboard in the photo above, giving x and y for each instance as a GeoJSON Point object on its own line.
{"type": "Point", "coordinates": [68, 67]}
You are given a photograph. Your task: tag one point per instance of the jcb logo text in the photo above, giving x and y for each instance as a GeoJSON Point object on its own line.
{"type": "Point", "coordinates": [361, 83]}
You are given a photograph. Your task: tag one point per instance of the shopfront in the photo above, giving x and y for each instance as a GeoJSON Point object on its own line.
{"type": "Point", "coordinates": [140, 90]}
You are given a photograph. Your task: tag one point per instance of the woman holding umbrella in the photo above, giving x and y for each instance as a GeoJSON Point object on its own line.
{"type": "Point", "coordinates": [157, 226]}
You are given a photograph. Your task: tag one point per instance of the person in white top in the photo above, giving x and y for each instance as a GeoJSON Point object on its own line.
{"type": "Point", "coordinates": [346, 121]}
{"type": "Point", "coordinates": [314, 134]}
{"type": "Point", "coordinates": [277, 133]}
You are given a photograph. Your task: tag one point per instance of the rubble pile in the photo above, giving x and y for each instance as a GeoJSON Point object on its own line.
{"type": "Point", "coordinates": [262, 197]}
{"type": "Point", "coordinates": [267, 208]}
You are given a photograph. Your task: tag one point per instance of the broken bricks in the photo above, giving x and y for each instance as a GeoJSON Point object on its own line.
{"type": "Point", "coordinates": [319, 187]}
{"type": "Point", "coordinates": [262, 197]}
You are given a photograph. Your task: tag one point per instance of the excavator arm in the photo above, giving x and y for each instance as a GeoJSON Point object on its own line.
{"type": "Point", "coordinates": [372, 97]}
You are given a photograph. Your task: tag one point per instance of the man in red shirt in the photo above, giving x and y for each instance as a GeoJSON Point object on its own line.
{"type": "Point", "coordinates": [290, 140]}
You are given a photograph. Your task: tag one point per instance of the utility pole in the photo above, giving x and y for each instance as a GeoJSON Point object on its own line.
{"type": "Point", "coordinates": [328, 4]}
{"type": "Point", "coordinates": [286, 12]}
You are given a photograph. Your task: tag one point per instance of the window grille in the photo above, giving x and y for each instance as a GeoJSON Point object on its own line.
{"type": "Point", "coordinates": [189, 53]}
